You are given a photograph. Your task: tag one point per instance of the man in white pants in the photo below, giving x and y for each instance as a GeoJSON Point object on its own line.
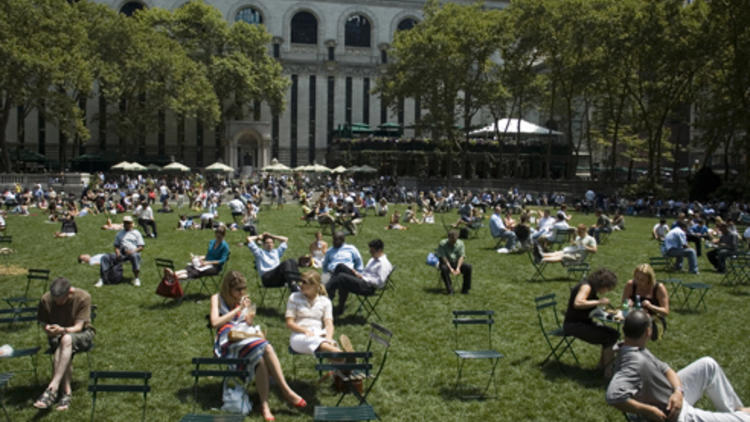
{"type": "Point", "coordinates": [646, 386]}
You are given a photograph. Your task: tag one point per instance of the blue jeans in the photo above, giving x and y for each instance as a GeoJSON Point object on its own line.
{"type": "Point", "coordinates": [510, 238]}
{"type": "Point", "coordinates": [688, 253]}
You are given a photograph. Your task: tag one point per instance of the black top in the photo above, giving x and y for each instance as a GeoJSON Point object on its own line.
{"type": "Point", "coordinates": [579, 315]}
{"type": "Point", "coordinates": [653, 298]}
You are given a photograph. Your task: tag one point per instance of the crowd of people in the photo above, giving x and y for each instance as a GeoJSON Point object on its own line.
{"type": "Point", "coordinates": [342, 205]}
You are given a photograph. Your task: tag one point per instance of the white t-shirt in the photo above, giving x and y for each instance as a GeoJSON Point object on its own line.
{"type": "Point", "coordinates": [96, 259]}
{"type": "Point", "coordinates": [746, 235]}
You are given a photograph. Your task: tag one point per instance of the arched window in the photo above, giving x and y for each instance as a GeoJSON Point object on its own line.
{"type": "Point", "coordinates": [357, 31]}
{"type": "Point", "coordinates": [129, 8]}
{"type": "Point", "coordinates": [406, 24]}
{"type": "Point", "coordinates": [250, 15]}
{"type": "Point", "coordinates": [304, 28]}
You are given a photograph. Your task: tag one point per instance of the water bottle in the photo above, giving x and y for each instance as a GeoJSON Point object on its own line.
{"type": "Point", "coordinates": [637, 301]}
{"type": "Point", "coordinates": [625, 309]}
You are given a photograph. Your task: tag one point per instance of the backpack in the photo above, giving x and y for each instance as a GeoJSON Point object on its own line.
{"type": "Point", "coordinates": [463, 233]}
{"type": "Point", "coordinates": [111, 269]}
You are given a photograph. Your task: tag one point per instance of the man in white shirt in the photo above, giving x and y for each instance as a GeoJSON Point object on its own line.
{"type": "Point", "coordinates": [237, 207]}
{"type": "Point", "coordinates": [128, 246]}
{"type": "Point", "coordinates": [347, 280]}
{"type": "Point", "coordinates": [145, 215]}
{"type": "Point", "coordinates": [660, 230]}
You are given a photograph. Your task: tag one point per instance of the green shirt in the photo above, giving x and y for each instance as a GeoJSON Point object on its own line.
{"type": "Point", "coordinates": [451, 252]}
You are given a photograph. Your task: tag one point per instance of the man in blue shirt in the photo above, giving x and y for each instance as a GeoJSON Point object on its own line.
{"type": "Point", "coordinates": [697, 233]}
{"type": "Point", "coordinates": [498, 230]}
{"type": "Point", "coordinates": [272, 271]}
{"type": "Point", "coordinates": [675, 245]}
{"type": "Point", "coordinates": [341, 254]}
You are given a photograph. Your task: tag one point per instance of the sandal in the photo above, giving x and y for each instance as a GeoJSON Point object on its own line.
{"type": "Point", "coordinates": [46, 400]}
{"type": "Point", "coordinates": [64, 402]}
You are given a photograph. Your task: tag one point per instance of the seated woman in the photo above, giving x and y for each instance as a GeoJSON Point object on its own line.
{"type": "Point", "coordinates": [653, 297]}
{"type": "Point", "coordinates": [382, 208]}
{"type": "Point", "coordinates": [410, 216]}
{"type": "Point", "coordinates": [212, 262]}
{"type": "Point", "coordinates": [584, 297]}
{"type": "Point", "coordinates": [395, 222]}
{"type": "Point", "coordinates": [309, 316]}
{"type": "Point", "coordinates": [618, 221]}
{"type": "Point", "coordinates": [508, 220]}
{"type": "Point", "coordinates": [318, 249]}
{"type": "Point", "coordinates": [232, 315]}
{"type": "Point", "coordinates": [69, 227]}
{"type": "Point", "coordinates": [583, 245]}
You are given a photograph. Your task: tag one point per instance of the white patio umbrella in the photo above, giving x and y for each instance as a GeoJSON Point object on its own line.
{"type": "Point", "coordinates": [153, 167]}
{"type": "Point", "coordinates": [221, 167]}
{"type": "Point", "coordinates": [122, 165]}
{"type": "Point", "coordinates": [136, 167]}
{"type": "Point", "coordinates": [276, 166]}
{"type": "Point", "coordinates": [302, 168]}
{"type": "Point", "coordinates": [339, 169]}
{"type": "Point", "coordinates": [175, 166]}
{"type": "Point", "coordinates": [363, 169]}
{"type": "Point", "coordinates": [319, 168]}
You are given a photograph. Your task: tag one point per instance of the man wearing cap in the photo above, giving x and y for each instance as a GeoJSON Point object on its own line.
{"type": "Point", "coordinates": [65, 315]}
{"type": "Point", "coordinates": [644, 385]}
{"type": "Point", "coordinates": [128, 246]}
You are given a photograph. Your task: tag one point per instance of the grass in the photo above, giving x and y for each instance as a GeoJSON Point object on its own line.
{"type": "Point", "coordinates": [137, 331]}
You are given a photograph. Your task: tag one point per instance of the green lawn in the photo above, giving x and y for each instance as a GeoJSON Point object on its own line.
{"type": "Point", "coordinates": [136, 331]}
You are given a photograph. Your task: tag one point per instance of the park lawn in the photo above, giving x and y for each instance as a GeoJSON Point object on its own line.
{"type": "Point", "coordinates": [137, 331]}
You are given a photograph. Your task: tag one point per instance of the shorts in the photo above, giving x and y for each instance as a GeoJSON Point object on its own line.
{"type": "Point", "coordinates": [82, 340]}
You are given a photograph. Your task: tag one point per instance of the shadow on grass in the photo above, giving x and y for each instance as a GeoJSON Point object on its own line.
{"type": "Point", "coordinates": [586, 377]}
{"type": "Point", "coordinates": [435, 290]}
{"type": "Point", "coordinates": [470, 393]}
{"type": "Point", "coordinates": [351, 319]}
{"type": "Point", "coordinates": [270, 312]}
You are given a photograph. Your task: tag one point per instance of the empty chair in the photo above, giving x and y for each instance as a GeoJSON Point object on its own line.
{"type": "Point", "coordinates": [475, 318]}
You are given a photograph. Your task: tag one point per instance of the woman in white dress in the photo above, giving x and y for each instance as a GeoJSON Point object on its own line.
{"type": "Point", "coordinates": [309, 315]}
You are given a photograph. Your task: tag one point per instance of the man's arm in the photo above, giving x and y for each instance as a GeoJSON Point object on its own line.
{"type": "Point", "coordinates": [675, 400]}
{"type": "Point", "coordinates": [649, 412]}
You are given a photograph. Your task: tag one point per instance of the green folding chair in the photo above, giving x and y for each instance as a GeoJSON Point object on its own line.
{"type": "Point", "coordinates": [539, 267]}
{"type": "Point", "coordinates": [4, 378]}
{"type": "Point", "coordinates": [552, 330]}
{"type": "Point", "coordinates": [700, 289]}
{"type": "Point", "coordinates": [227, 368]}
{"type": "Point", "coordinates": [369, 303]}
{"type": "Point", "coordinates": [355, 363]}
{"type": "Point", "coordinates": [13, 317]}
{"type": "Point", "coordinates": [264, 290]}
{"type": "Point", "coordinates": [96, 387]}
{"type": "Point", "coordinates": [475, 318]}
{"type": "Point", "coordinates": [674, 287]}
{"type": "Point", "coordinates": [34, 275]}
{"type": "Point", "coordinates": [561, 238]}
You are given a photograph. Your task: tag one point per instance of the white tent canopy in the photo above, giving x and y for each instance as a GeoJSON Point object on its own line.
{"type": "Point", "coordinates": [175, 166]}
{"type": "Point", "coordinates": [511, 126]}
{"type": "Point", "coordinates": [220, 167]}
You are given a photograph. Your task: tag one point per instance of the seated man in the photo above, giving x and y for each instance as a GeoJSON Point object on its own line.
{"type": "Point", "coordinates": [725, 247]}
{"type": "Point", "coordinates": [272, 271]}
{"type": "Point", "coordinates": [345, 279]}
{"type": "Point", "coordinates": [128, 246]}
{"type": "Point", "coordinates": [65, 315]}
{"type": "Point", "coordinates": [237, 207]}
{"type": "Point", "coordinates": [660, 230]}
{"type": "Point", "coordinates": [341, 254]}
{"type": "Point", "coordinates": [675, 245]}
{"type": "Point", "coordinates": [644, 385]}
{"type": "Point", "coordinates": [603, 225]}
{"type": "Point", "coordinates": [145, 215]}
{"type": "Point", "coordinates": [451, 253]}
{"type": "Point", "coordinates": [349, 217]}
{"type": "Point", "coordinates": [110, 268]}
{"type": "Point", "coordinates": [498, 230]}
{"type": "Point", "coordinates": [583, 245]}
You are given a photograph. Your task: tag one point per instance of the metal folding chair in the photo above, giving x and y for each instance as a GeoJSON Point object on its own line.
{"type": "Point", "coordinates": [367, 304]}
{"type": "Point", "coordinates": [95, 387]}
{"type": "Point", "coordinates": [33, 275]}
{"type": "Point", "coordinates": [552, 328]}
{"type": "Point", "coordinates": [474, 318]}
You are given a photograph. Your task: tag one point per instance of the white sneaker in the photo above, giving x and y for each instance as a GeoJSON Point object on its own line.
{"type": "Point", "coordinates": [503, 250]}
{"type": "Point", "coordinates": [99, 283]}
{"type": "Point", "coordinates": [137, 282]}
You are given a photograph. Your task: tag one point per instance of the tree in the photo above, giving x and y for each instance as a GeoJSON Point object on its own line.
{"type": "Point", "coordinates": [144, 72]}
{"type": "Point", "coordinates": [233, 57]}
{"type": "Point", "coordinates": [444, 61]}
{"type": "Point", "coordinates": [42, 60]}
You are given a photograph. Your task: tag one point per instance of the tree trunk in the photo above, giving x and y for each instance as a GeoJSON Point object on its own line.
{"type": "Point", "coordinates": [4, 155]}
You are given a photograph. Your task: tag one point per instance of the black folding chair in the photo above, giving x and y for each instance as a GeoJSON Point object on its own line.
{"type": "Point", "coordinates": [551, 328]}
{"type": "Point", "coordinates": [263, 290]}
{"type": "Point", "coordinates": [359, 366]}
{"type": "Point", "coordinates": [228, 368]}
{"type": "Point", "coordinates": [33, 275]}
{"type": "Point", "coordinates": [95, 387]}
{"type": "Point", "coordinates": [4, 378]}
{"type": "Point", "coordinates": [476, 318]}
{"type": "Point", "coordinates": [15, 316]}
{"type": "Point", "coordinates": [368, 303]}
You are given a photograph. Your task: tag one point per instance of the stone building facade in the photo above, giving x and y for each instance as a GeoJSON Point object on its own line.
{"type": "Point", "coordinates": [331, 50]}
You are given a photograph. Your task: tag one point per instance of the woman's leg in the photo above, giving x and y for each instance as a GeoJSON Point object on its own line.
{"type": "Point", "coordinates": [261, 384]}
{"type": "Point", "coordinates": [273, 367]}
